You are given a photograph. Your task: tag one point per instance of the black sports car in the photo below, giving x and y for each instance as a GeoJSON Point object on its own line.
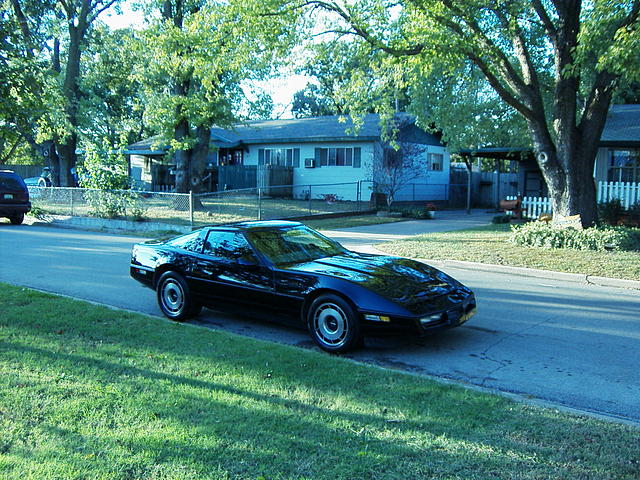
{"type": "Point", "coordinates": [302, 275]}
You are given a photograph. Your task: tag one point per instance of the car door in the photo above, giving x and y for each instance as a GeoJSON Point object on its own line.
{"type": "Point", "coordinates": [228, 270]}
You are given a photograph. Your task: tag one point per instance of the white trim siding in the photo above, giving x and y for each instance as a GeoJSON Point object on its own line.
{"type": "Point", "coordinates": [303, 176]}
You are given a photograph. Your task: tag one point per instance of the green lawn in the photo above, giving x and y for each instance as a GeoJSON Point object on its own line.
{"type": "Point", "coordinates": [489, 244]}
{"type": "Point", "coordinates": [91, 393]}
{"type": "Point", "coordinates": [351, 221]}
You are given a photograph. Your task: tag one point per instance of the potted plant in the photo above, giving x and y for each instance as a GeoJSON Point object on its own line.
{"type": "Point", "coordinates": [430, 210]}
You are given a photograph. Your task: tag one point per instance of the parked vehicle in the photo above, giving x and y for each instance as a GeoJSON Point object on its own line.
{"type": "Point", "coordinates": [44, 180]}
{"type": "Point", "coordinates": [298, 274]}
{"type": "Point", "coordinates": [14, 197]}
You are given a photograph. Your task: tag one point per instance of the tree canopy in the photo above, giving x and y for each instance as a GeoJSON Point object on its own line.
{"type": "Point", "coordinates": [556, 63]}
{"type": "Point", "coordinates": [539, 73]}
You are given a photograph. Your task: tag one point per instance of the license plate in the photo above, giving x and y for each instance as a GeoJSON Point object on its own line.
{"type": "Point", "coordinates": [8, 196]}
{"type": "Point", "coordinates": [468, 315]}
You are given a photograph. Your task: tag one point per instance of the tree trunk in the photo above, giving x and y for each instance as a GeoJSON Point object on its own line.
{"type": "Point", "coordinates": [568, 172]}
{"type": "Point", "coordinates": [182, 158]}
{"type": "Point", "coordinates": [199, 157]}
{"type": "Point", "coordinates": [67, 146]}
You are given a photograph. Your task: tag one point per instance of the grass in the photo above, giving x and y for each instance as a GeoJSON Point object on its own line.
{"type": "Point", "coordinates": [347, 222]}
{"type": "Point", "coordinates": [91, 393]}
{"type": "Point", "coordinates": [489, 244]}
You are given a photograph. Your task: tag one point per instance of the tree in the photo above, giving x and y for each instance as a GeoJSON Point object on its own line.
{"type": "Point", "coordinates": [112, 105]}
{"type": "Point", "coordinates": [401, 164]}
{"type": "Point", "coordinates": [310, 102]}
{"type": "Point", "coordinates": [557, 63]}
{"type": "Point", "coordinates": [338, 68]}
{"type": "Point", "coordinates": [29, 97]}
{"type": "Point", "coordinates": [79, 16]}
{"type": "Point", "coordinates": [198, 54]}
{"type": "Point", "coordinates": [45, 85]}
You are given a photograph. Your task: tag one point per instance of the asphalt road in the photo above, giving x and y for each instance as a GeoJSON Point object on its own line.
{"type": "Point", "coordinates": [572, 344]}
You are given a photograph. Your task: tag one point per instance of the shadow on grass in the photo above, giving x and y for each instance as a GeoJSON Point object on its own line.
{"type": "Point", "coordinates": [138, 395]}
{"type": "Point", "coordinates": [248, 433]}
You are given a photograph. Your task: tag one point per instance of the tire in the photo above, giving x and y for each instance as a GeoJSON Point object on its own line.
{"type": "Point", "coordinates": [17, 219]}
{"type": "Point", "coordinates": [174, 297]}
{"type": "Point", "coordinates": [333, 324]}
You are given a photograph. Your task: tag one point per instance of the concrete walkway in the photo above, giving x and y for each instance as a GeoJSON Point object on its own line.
{"type": "Point", "coordinates": [364, 238]}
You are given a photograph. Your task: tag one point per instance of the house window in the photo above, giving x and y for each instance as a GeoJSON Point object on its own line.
{"type": "Point", "coordinates": [338, 157]}
{"type": "Point", "coordinates": [624, 166]}
{"type": "Point", "coordinates": [435, 161]}
{"type": "Point", "coordinates": [283, 157]}
{"type": "Point", "coordinates": [230, 157]}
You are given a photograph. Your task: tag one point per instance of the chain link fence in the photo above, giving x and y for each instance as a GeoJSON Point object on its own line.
{"type": "Point", "coordinates": [272, 202]}
{"type": "Point", "coordinates": [129, 204]}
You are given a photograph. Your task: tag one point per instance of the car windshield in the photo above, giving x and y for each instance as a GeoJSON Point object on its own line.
{"type": "Point", "coordinates": [293, 245]}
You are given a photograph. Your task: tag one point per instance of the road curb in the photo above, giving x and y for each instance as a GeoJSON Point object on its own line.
{"type": "Point", "coordinates": [536, 273]}
{"type": "Point", "coordinates": [108, 225]}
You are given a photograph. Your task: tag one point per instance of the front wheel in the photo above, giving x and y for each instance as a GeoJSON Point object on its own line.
{"type": "Point", "coordinates": [174, 297]}
{"type": "Point", "coordinates": [333, 324]}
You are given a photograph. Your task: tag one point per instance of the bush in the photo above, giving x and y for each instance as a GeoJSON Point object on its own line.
{"type": "Point", "coordinates": [105, 203]}
{"type": "Point", "coordinates": [501, 219]}
{"type": "Point", "coordinates": [417, 213]}
{"type": "Point", "coordinates": [37, 211]}
{"type": "Point", "coordinates": [540, 234]}
{"type": "Point", "coordinates": [609, 212]}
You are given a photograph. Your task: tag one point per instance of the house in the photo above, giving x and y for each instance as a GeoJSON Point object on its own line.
{"type": "Point", "coordinates": [617, 160]}
{"type": "Point", "coordinates": [319, 156]}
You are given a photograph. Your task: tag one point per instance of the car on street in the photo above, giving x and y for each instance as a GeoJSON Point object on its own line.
{"type": "Point", "coordinates": [301, 277]}
{"type": "Point", "coordinates": [14, 197]}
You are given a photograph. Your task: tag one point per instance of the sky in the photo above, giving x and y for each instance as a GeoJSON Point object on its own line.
{"type": "Point", "coordinates": [281, 89]}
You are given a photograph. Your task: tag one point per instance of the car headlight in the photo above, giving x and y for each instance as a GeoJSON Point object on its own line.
{"type": "Point", "coordinates": [430, 319]}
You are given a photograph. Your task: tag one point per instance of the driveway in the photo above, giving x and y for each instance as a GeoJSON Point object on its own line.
{"type": "Point", "coordinates": [568, 343]}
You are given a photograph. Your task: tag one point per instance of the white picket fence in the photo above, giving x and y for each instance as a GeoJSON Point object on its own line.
{"type": "Point", "coordinates": [627, 193]}
{"type": "Point", "coordinates": [532, 207]}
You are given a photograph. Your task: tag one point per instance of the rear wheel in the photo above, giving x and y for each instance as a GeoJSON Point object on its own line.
{"type": "Point", "coordinates": [17, 219]}
{"type": "Point", "coordinates": [174, 297]}
{"type": "Point", "coordinates": [333, 324]}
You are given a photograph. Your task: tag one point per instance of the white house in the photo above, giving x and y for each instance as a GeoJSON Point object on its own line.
{"type": "Point", "coordinates": [326, 155]}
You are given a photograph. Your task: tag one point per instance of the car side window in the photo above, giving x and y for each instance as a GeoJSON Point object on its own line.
{"type": "Point", "coordinates": [191, 241]}
{"type": "Point", "coordinates": [227, 245]}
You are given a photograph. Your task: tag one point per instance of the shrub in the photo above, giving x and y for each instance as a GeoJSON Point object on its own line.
{"type": "Point", "coordinates": [417, 213]}
{"type": "Point", "coordinates": [106, 203]}
{"type": "Point", "coordinates": [540, 234]}
{"type": "Point", "coordinates": [609, 212]}
{"type": "Point", "coordinates": [37, 211]}
{"type": "Point", "coordinates": [501, 219]}
{"type": "Point", "coordinates": [330, 197]}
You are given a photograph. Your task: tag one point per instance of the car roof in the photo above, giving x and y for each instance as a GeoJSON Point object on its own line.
{"type": "Point", "coordinates": [256, 224]}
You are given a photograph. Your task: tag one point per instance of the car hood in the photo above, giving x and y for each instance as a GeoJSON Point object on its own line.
{"type": "Point", "coordinates": [402, 280]}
